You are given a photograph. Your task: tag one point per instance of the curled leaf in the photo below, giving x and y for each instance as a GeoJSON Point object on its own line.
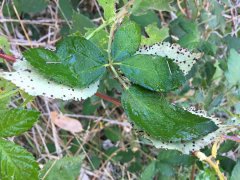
{"type": "Point", "coordinates": [29, 80]}
{"type": "Point", "coordinates": [66, 123]}
{"type": "Point", "coordinates": [169, 126]}
{"type": "Point", "coordinates": [181, 56]}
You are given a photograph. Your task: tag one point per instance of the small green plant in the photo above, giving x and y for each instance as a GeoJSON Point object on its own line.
{"type": "Point", "coordinates": [148, 71]}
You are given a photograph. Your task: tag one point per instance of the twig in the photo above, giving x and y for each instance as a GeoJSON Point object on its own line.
{"type": "Point", "coordinates": [108, 98]}
{"type": "Point", "coordinates": [23, 28]}
{"type": "Point", "coordinates": [233, 138]}
{"type": "Point", "coordinates": [8, 57]}
{"type": "Point", "coordinates": [202, 157]}
{"type": "Point", "coordinates": [193, 172]}
{"type": "Point", "coordinates": [110, 121]}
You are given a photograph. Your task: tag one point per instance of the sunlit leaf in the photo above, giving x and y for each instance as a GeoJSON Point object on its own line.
{"type": "Point", "coordinates": [108, 8]}
{"type": "Point", "coordinates": [16, 162]}
{"type": "Point", "coordinates": [153, 72]}
{"type": "Point", "coordinates": [232, 74]}
{"type": "Point", "coordinates": [126, 40]}
{"type": "Point", "coordinates": [62, 169]}
{"type": "Point", "coordinates": [16, 121]}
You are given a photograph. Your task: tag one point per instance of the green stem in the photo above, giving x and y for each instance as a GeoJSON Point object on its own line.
{"type": "Point", "coordinates": [9, 93]}
{"type": "Point", "coordinates": [118, 77]}
{"type": "Point", "coordinates": [103, 25]}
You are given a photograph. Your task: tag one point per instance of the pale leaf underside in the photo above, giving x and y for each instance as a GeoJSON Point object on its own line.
{"type": "Point", "coordinates": [191, 146]}
{"type": "Point", "coordinates": [29, 80]}
{"type": "Point", "coordinates": [181, 56]}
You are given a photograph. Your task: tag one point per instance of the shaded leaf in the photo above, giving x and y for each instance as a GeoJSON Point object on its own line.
{"type": "Point", "coordinates": [80, 23]}
{"type": "Point", "coordinates": [149, 171]}
{"type": "Point", "coordinates": [126, 40]}
{"type": "Point", "coordinates": [66, 9]}
{"type": "Point", "coordinates": [236, 172]}
{"type": "Point", "coordinates": [232, 74]}
{"type": "Point", "coordinates": [31, 6]}
{"type": "Point", "coordinates": [16, 121]}
{"type": "Point", "coordinates": [232, 42]}
{"type": "Point", "coordinates": [226, 163]}
{"type": "Point", "coordinates": [165, 169]}
{"type": "Point", "coordinates": [153, 72]}
{"type": "Point", "coordinates": [149, 17]}
{"type": "Point", "coordinates": [140, 6]}
{"type": "Point", "coordinates": [174, 158]}
{"type": "Point", "coordinates": [62, 169]}
{"type": "Point", "coordinates": [187, 32]}
{"type": "Point", "coordinates": [16, 162]}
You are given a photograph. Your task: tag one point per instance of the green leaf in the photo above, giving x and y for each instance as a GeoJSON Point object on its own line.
{"type": "Point", "coordinates": [149, 17]}
{"type": "Point", "coordinates": [29, 80]}
{"type": "Point", "coordinates": [65, 168]}
{"type": "Point", "coordinates": [232, 42]}
{"type": "Point", "coordinates": [149, 171]}
{"type": "Point", "coordinates": [153, 72]}
{"type": "Point", "coordinates": [77, 62]}
{"type": "Point", "coordinates": [140, 6]}
{"type": "Point", "coordinates": [184, 58]}
{"type": "Point", "coordinates": [4, 45]}
{"type": "Point", "coordinates": [15, 121]}
{"type": "Point", "coordinates": [187, 32]}
{"type": "Point", "coordinates": [80, 23]}
{"type": "Point", "coordinates": [164, 121]}
{"type": "Point", "coordinates": [154, 34]}
{"type": "Point", "coordinates": [232, 74]}
{"type": "Point", "coordinates": [126, 40]}
{"type": "Point", "coordinates": [113, 133]}
{"type": "Point", "coordinates": [174, 158]}
{"type": "Point", "coordinates": [226, 163]}
{"type": "Point", "coordinates": [7, 90]}
{"type": "Point", "coordinates": [166, 170]}
{"type": "Point", "coordinates": [236, 172]}
{"type": "Point", "coordinates": [16, 162]}
{"type": "Point", "coordinates": [108, 8]}
{"type": "Point", "coordinates": [99, 38]}
{"type": "Point", "coordinates": [31, 6]}
{"type": "Point", "coordinates": [66, 9]}
{"type": "Point", "coordinates": [208, 174]}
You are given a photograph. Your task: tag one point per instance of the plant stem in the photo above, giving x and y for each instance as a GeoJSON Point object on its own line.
{"type": "Point", "coordinates": [118, 77]}
{"type": "Point", "coordinates": [8, 57]}
{"type": "Point", "coordinates": [202, 157]}
{"type": "Point", "coordinates": [108, 98]}
{"type": "Point", "coordinates": [103, 25]}
{"type": "Point", "coordinates": [10, 93]}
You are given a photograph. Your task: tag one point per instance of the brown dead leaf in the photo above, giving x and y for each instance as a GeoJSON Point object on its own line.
{"type": "Point", "coordinates": [66, 123]}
